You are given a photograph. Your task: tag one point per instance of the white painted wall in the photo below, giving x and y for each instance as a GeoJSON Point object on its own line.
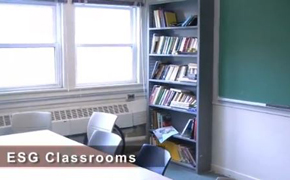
{"type": "Point", "coordinates": [250, 145]}
{"type": "Point", "coordinates": [248, 142]}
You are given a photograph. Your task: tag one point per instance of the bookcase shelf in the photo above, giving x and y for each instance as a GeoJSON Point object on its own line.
{"type": "Point", "coordinates": [183, 164]}
{"type": "Point", "coordinates": [194, 84]}
{"type": "Point", "coordinates": [178, 55]}
{"type": "Point", "coordinates": [184, 138]}
{"type": "Point", "coordinates": [174, 109]}
{"type": "Point", "coordinates": [173, 28]}
{"type": "Point", "coordinates": [167, 41]}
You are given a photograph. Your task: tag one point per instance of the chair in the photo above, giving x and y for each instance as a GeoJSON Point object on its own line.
{"type": "Point", "coordinates": [30, 121]}
{"type": "Point", "coordinates": [100, 121]}
{"type": "Point", "coordinates": [105, 141]}
{"type": "Point", "coordinates": [153, 158]}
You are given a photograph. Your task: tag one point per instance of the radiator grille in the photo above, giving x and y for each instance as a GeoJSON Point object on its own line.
{"type": "Point", "coordinates": [5, 120]}
{"type": "Point", "coordinates": [72, 114]}
{"type": "Point", "coordinates": [87, 112]}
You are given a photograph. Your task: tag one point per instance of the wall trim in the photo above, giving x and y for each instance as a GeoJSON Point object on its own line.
{"type": "Point", "coordinates": [254, 108]}
{"type": "Point", "coordinates": [231, 173]}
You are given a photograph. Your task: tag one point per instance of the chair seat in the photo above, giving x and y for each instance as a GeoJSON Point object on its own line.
{"type": "Point", "coordinates": [106, 142]}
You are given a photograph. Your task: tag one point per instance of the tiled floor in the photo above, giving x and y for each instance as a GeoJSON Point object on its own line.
{"type": "Point", "coordinates": [173, 171]}
{"type": "Point", "coordinates": [177, 172]}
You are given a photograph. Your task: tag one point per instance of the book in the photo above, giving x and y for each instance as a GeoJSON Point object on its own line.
{"type": "Point", "coordinates": [188, 129]}
{"type": "Point", "coordinates": [170, 18]}
{"type": "Point", "coordinates": [157, 19]}
{"type": "Point", "coordinates": [181, 73]}
{"type": "Point", "coordinates": [172, 148]}
{"type": "Point", "coordinates": [155, 69]}
{"type": "Point", "coordinates": [192, 71]}
{"type": "Point", "coordinates": [154, 44]}
{"type": "Point", "coordinates": [191, 20]}
{"type": "Point", "coordinates": [162, 134]}
{"type": "Point", "coordinates": [160, 120]}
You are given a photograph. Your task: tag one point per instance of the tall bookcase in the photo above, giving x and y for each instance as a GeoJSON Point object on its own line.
{"type": "Point", "coordinates": [202, 89]}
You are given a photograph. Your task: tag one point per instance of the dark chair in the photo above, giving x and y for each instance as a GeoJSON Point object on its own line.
{"type": "Point", "coordinates": [106, 142]}
{"type": "Point", "coordinates": [153, 158]}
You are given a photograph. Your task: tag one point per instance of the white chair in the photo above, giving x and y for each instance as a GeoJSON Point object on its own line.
{"type": "Point", "coordinates": [102, 122]}
{"type": "Point", "coordinates": [31, 121]}
{"type": "Point", "coordinates": [106, 142]}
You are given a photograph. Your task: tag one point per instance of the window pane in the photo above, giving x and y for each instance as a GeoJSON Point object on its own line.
{"type": "Point", "coordinates": [97, 25]}
{"type": "Point", "coordinates": [20, 67]}
{"type": "Point", "coordinates": [26, 24]}
{"type": "Point", "coordinates": [104, 65]}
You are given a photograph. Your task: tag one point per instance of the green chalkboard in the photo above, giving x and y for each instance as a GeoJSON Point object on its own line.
{"type": "Point", "coordinates": [254, 51]}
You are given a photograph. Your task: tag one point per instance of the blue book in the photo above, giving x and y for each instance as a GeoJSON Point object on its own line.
{"type": "Point", "coordinates": [187, 21]}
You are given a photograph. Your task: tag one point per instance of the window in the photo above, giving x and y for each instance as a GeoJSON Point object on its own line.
{"type": "Point", "coordinates": [106, 51]}
{"type": "Point", "coordinates": [29, 47]}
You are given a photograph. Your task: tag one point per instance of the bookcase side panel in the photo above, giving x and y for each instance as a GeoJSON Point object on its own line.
{"type": "Point", "coordinates": [205, 62]}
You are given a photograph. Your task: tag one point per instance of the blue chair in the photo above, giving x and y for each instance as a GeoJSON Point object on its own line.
{"type": "Point", "coordinates": [153, 158]}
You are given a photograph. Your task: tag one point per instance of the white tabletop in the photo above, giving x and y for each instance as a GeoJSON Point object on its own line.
{"type": "Point", "coordinates": [45, 137]}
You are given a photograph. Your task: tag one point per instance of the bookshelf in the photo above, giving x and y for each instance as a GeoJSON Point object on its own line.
{"type": "Point", "coordinates": [173, 28]}
{"type": "Point", "coordinates": [164, 72]}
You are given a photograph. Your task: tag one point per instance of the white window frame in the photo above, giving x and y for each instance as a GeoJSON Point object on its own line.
{"type": "Point", "coordinates": [133, 45]}
{"type": "Point", "coordinates": [58, 46]}
{"type": "Point", "coordinates": [66, 92]}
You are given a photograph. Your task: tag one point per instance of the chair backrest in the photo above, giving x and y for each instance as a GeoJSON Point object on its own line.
{"type": "Point", "coordinates": [30, 121]}
{"type": "Point", "coordinates": [102, 122]}
{"type": "Point", "coordinates": [153, 158]}
{"type": "Point", "coordinates": [105, 141]}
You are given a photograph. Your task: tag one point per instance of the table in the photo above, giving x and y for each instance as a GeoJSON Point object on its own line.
{"type": "Point", "coordinates": [46, 137]}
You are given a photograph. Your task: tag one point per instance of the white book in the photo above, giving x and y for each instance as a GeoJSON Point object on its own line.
{"type": "Point", "coordinates": [171, 68]}
{"type": "Point", "coordinates": [174, 73]}
{"type": "Point", "coordinates": [160, 44]}
{"type": "Point", "coordinates": [182, 44]}
{"type": "Point", "coordinates": [156, 16]}
{"type": "Point", "coordinates": [165, 45]}
{"type": "Point", "coordinates": [174, 51]}
{"type": "Point", "coordinates": [155, 40]}
{"type": "Point", "coordinates": [162, 134]}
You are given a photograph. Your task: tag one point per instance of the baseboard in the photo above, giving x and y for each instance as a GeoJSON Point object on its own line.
{"type": "Point", "coordinates": [230, 173]}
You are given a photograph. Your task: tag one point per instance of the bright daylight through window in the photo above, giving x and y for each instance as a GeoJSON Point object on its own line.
{"type": "Point", "coordinates": [28, 47]}
{"type": "Point", "coordinates": [105, 45]}
{"type": "Point", "coordinates": [48, 45]}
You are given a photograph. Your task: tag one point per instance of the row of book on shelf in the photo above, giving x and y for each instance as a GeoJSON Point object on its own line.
{"type": "Point", "coordinates": [178, 152]}
{"type": "Point", "coordinates": [173, 72]}
{"type": "Point", "coordinates": [177, 98]}
{"type": "Point", "coordinates": [173, 45]}
{"type": "Point", "coordinates": [161, 125]}
{"type": "Point", "coordinates": [164, 18]}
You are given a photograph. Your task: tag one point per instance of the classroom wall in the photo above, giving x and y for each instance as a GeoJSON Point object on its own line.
{"type": "Point", "coordinates": [248, 142]}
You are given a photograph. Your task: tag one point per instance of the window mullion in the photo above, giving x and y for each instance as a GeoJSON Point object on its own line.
{"type": "Point", "coordinates": [69, 50]}
{"type": "Point", "coordinates": [59, 45]}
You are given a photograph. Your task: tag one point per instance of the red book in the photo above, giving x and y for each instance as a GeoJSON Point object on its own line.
{"type": "Point", "coordinates": [194, 129]}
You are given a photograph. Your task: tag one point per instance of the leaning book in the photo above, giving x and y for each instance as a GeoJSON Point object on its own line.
{"type": "Point", "coordinates": [162, 134]}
